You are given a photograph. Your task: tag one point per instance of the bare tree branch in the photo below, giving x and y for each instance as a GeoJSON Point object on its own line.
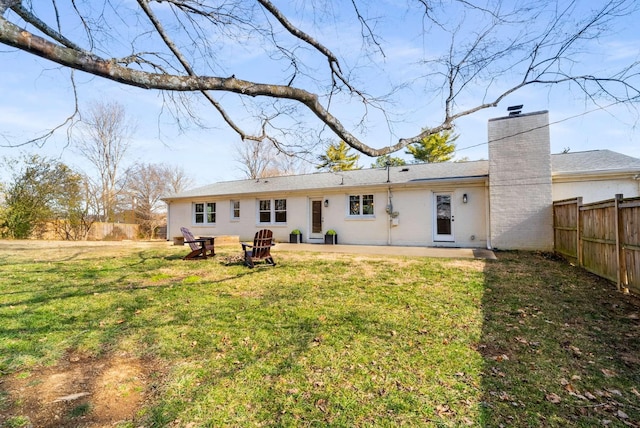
{"type": "Point", "coordinates": [144, 4]}
{"type": "Point", "coordinates": [488, 45]}
{"type": "Point", "coordinates": [109, 69]}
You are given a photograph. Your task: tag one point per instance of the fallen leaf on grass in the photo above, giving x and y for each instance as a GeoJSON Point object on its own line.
{"type": "Point", "coordinates": [608, 373]}
{"type": "Point", "coordinates": [554, 398]}
{"type": "Point", "coordinates": [576, 351]}
{"type": "Point", "coordinates": [443, 409]}
{"type": "Point", "coordinates": [504, 396]}
{"type": "Point", "coordinates": [321, 404]}
{"type": "Point", "coordinates": [622, 415]}
{"type": "Point", "coordinates": [497, 372]}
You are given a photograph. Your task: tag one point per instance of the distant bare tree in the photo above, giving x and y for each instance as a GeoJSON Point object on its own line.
{"type": "Point", "coordinates": [146, 184]}
{"type": "Point", "coordinates": [178, 180]}
{"type": "Point", "coordinates": [103, 139]}
{"type": "Point", "coordinates": [257, 159]}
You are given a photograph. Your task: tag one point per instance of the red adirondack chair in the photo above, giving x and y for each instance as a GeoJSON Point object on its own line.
{"type": "Point", "coordinates": [201, 248]}
{"type": "Point", "coordinates": [260, 250]}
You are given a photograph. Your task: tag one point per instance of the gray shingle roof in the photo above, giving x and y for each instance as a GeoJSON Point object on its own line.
{"type": "Point", "coordinates": [595, 160]}
{"type": "Point", "coordinates": [356, 178]}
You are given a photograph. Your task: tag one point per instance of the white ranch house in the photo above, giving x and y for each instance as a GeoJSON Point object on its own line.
{"type": "Point", "coordinates": [502, 203]}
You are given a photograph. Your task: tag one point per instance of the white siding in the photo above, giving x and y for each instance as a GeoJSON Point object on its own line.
{"type": "Point", "coordinates": [413, 205]}
{"type": "Point", "coordinates": [596, 189]}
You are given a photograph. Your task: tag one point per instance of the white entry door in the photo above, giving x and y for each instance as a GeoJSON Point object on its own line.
{"type": "Point", "coordinates": [443, 219]}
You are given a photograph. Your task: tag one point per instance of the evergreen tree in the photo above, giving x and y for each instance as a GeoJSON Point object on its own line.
{"type": "Point", "coordinates": [337, 158]}
{"type": "Point", "coordinates": [434, 148]}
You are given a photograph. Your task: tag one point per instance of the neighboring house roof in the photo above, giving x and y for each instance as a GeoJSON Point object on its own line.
{"type": "Point", "coordinates": [593, 161]}
{"type": "Point", "coordinates": [564, 163]}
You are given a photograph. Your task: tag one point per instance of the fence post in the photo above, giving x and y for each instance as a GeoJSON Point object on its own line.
{"type": "Point", "coordinates": [619, 229]}
{"type": "Point", "coordinates": [578, 231]}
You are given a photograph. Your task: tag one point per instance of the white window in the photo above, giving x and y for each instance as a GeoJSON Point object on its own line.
{"type": "Point", "coordinates": [272, 211]}
{"type": "Point", "coordinates": [204, 213]}
{"type": "Point", "coordinates": [235, 210]}
{"type": "Point", "coordinates": [361, 205]}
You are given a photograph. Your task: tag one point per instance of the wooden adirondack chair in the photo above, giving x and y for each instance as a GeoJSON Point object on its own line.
{"type": "Point", "coordinates": [201, 248]}
{"type": "Point", "coordinates": [260, 250]}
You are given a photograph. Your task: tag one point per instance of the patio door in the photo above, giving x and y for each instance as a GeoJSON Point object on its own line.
{"type": "Point", "coordinates": [316, 219]}
{"type": "Point", "coordinates": [443, 219]}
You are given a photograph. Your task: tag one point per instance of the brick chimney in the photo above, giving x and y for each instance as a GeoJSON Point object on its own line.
{"type": "Point", "coordinates": [521, 216]}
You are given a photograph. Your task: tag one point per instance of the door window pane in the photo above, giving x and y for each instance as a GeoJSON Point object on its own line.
{"type": "Point", "coordinates": [444, 214]}
{"type": "Point", "coordinates": [316, 217]}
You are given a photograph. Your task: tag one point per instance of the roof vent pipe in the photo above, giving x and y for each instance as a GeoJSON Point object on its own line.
{"type": "Point", "coordinates": [388, 164]}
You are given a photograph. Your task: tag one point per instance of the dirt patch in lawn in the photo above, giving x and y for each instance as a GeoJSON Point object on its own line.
{"type": "Point", "coordinates": [80, 391]}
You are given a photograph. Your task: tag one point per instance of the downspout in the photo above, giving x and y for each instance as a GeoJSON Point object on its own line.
{"type": "Point", "coordinates": [168, 219]}
{"type": "Point", "coordinates": [487, 195]}
{"type": "Point", "coordinates": [389, 218]}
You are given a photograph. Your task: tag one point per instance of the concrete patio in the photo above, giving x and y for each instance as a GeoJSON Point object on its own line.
{"type": "Point", "coordinates": [464, 253]}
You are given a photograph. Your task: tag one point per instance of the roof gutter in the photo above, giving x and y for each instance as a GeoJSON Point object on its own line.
{"type": "Point", "coordinates": [628, 173]}
{"type": "Point", "coordinates": [341, 187]}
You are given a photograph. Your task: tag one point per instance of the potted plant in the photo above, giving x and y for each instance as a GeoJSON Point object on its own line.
{"type": "Point", "coordinates": [331, 237]}
{"type": "Point", "coordinates": [295, 237]}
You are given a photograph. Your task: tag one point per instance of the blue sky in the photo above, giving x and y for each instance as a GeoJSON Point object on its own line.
{"type": "Point", "coordinates": [37, 95]}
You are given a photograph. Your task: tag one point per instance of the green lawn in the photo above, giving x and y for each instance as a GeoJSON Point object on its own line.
{"type": "Point", "coordinates": [319, 340]}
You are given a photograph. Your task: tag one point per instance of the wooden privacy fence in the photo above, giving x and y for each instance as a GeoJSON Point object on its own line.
{"type": "Point", "coordinates": [112, 231]}
{"type": "Point", "coordinates": [602, 237]}
{"type": "Point", "coordinates": [98, 232]}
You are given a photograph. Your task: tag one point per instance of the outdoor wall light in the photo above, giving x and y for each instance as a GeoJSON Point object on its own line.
{"type": "Point", "coordinates": [326, 203]}
{"type": "Point", "coordinates": [465, 199]}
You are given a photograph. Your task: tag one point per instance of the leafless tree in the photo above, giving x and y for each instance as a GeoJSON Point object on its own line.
{"type": "Point", "coordinates": [477, 52]}
{"type": "Point", "coordinates": [257, 159]}
{"type": "Point", "coordinates": [146, 184]}
{"type": "Point", "coordinates": [103, 139]}
{"type": "Point", "coordinates": [261, 159]}
{"type": "Point", "coordinates": [177, 180]}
